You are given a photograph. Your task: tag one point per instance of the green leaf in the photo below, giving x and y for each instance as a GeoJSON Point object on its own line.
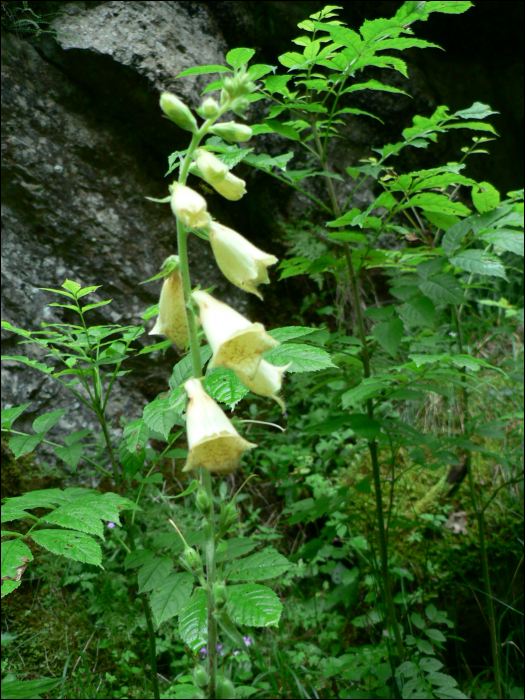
{"type": "Point", "coordinates": [153, 572]}
{"type": "Point", "coordinates": [418, 312]}
{"type": "Point", "coordinates": [71, 286]}
{"type": "Point", "coordinates": [239, 57]}
{"type": "Point", "coordinates": [193, 627]}
{"type": "Point", "coordinates": [485, 197]}
{"type": "Point", "coordinates": [73, 545]}
{"type": "Point", "coordinates": [76, 516]}
{"type": "Point", "coordinates": [478, 110]}
{"type": "Point", "coordinates": [430, 201]}
{"type": "Point", "coordinates": [160, 417]}
{"type": "Point", "coordinates": [236, 547]}
{"type": "Point", "coordinates": [12, 553]}
{"type": "Point", "coordinates": [24, 444]}
{"type": "Point", "coordinates": [136, 434]}
{"type": "Point", "coordinates": [506, 239]}
{"type": "Point", "coordinates": [222, 385]}
{"type": "Point", "coordinates": [27, 689]}
{"type": "Point", "coordinates": [435, 635]}
{"type": "Point", "coordinates": [454, 236]}
{"type": "Point", "coordinates": [374, 85]}
{"type": "Point", "coordinates": [183, 370]}
{"type": "Point", "coordinates": [290, 332]}
{"type": "Point", "coordinates": [41, 366]}
{"type": "Point", "coordinates": [259, 566]}
{"type": "Point", "coordinates": [389, 335]}
{"type": "Point", "coordinates": [87, 290]}
{"type": "Point", "coordinates": [9, 415]}
{"type": "Point", "coordinates": [70, 454]}
{"type": "Point", "coordinates": [443, 289]}
{"type": "Point", "coordinates": [368, 389]}
{"type": "Point", "coordinates": [201, 70]}
{"type": "Point", "coordinates": [480, 262]}
{"type": "Point", "coordinates": [250, 604]}
{"type": "Point", "coordinates": [304, 358]}
{"type": "Point", "coordinates": [363, 426]}
{"type": "Point", "coordinates": [287, 131]}
{"type": "Point", "coordinates": [475, 126]}
{"type": "Point", "coordinates": [96, 305]}
{"type": "Point", "coordinates": [46, 421]}
{"type": "Point", "coordinates": [131, 461]}
{"type": "Point", "coordinates": [170, 596]}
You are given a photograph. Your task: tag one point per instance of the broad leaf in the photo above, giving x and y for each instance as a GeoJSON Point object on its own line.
{"type": "Point", "coordinates": [303, 357]}
{"type": "Point", "coordinates": [9, 415]}
{"type": "Point", "coordinates": [24, 444]}
{"type": "Point", "coordinates": [153, 573]}
{"type": "Point", "coordinates": [454, 236]}
{"type": "Point", "coordinates": [70, 454]}
{"type": "Point", "coordinates": [259, 566]}
{"type": "Point", "coordinates": [443, 289]}
{"type": "Point", "coordinates": [169, 597]}
{"type": "Point", "coordinates": [222, 385]}
{"type": "Point", "coordinates": [485, 197]}
{"type": "Point", "coordinates": [73, 545]}
{"type": "Point", "coordinates": [480, 262]}
{"type": "Point", "coordinates": [389, 335]}
{"type": "Point", "coordinates": [193, 621]}
{"type": "Point", "coordinates": [250, 604]}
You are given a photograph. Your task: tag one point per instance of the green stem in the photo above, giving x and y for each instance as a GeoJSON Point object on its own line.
{"type": "Point", "coordinates": [372, 445]}
{"type": "Point", "coordinates": [481, 526]}
{"type": "Point", "coordinates": [211, 577]}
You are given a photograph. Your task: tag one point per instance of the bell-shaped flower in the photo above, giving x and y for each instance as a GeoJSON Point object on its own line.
{"type": "Point", "coordinates": [178, 112]}
{"type": "Point", "coordinates": [236, 343]}
{"type": "Point", "coordinates": [213, 442]}
{"type": "Point", "coordinates": [210, 168]}
{"type": "Point", "coordinates": [189, 206]}
{"type": "Point", "coordinates": [240, 261]}
{"type": "Point", "coordinates": [171, 320]}
{"type": "Point", "coordinates": [266, 382]}
{"type": "Point", "coordinates": [232, 188]}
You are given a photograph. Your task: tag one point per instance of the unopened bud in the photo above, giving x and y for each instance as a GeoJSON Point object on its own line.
{"type": "Point", "coordinates": [224, 689]}
{"type": "Point", "coordinates": [203, 502]}
{"type": "Point", "coordinates": [232, 131]}
{"type": "Point", "coordinates": [201, 677]}
{"type": "Point", "coordinates": [219, 594]}
{"type": "Point", "coordinates": [178, 112]}
{"type": "Point", "coordinates": [228, 84]}
{"type": "Point", "coordinates": [209, 108]}
{"type": "Point", "coordinates": [192, 560]}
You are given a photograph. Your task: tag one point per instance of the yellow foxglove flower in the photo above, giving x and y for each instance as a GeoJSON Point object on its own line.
{"type": "Point", "coordinates": [178, 112]}
{"type": "Point", "coordinates": [236, 343]}
{"type": "Point", "coordinates": [171, 320]}
{"type": "Point", "coordinates": [213, 442]}
{"type": "Point", "coordinates": [189, 206]}
{"type": "Point", "coordinates": [267, 381]}
{"type": "Point", "coordinates": [232, 188]}
{"type": "Point", "coordinates": [240, 261]}
{"type": "Point", "coordinates": [210, 168]}
{"type": "Point", "coordinates": [232, 131]}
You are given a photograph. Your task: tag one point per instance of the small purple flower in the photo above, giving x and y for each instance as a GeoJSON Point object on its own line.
{"type": "Point", "coordinates": [219, 647]}
{"type": "Point", "coordinates": [236, 652]}
{"type": "Point", "coordinates": [204, 652]}
{"type": "Point", "coordinates": [247, 641]}
{"type": "Point", "coordinates": [111, 525]}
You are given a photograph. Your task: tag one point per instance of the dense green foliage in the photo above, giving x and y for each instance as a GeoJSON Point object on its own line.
{"type": "Point", "coordinates": [384, 509]}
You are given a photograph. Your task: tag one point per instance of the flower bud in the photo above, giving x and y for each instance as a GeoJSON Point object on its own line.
{"type": "Point", "coordinates": [228, 84]}
{"type": "Point", "coordinates": [189, 206]}
{"type": "Point", "coordinates": [209, 108]}
{"type": "Point", "coordinates": [224, 689]}
{"type": "Point", "coordinates": [232, 188]}
{"type": "Point", "coordinates": [192, 560]}
{"type": "Point", "coordinates": [201, 677]}
{"type": "Point", "coordinates": [178, 112]}
{"type": "Point", "coordinates": [219, 594]}
{"type": "Point", "coordinates": [240, 261]}
{"type": "Point", "coordinates": [203, 502]}
{"type": "Point", "coordinates": [228, 515]}
{"type": "Point", "coordinates": [266, 382]}
{"type": "Point", "coordinates": [211, 168]}
{"type": "Point", "coordinates": [239, 105]}
{"type": "Point", "coordinates": [231, 131]}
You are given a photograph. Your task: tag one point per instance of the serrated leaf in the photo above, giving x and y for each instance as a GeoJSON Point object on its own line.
{"type": "Point", "coordinates": [27, 689]}
{"type": "Point", "coordinates": [131, 461]}
{"type": "Point", "coordinates": [88, 307]}
{"type": "Point", "coordinates": [259, 566]}
{"type": "Point", "coordinates": [419, 311]}
{"type": "Point", "coordinates": [368, 389]}
{"type": "Point", "coordinates": [71, 454]}
{"type": "Point", "coordinates": [31, 363]}
{"type": "Point", "coordinates": [480, 262]}
{"type": "Point", "coordinates": [239, 57]}
{"type": "Point", "coordinates": [202, 70]}
{"type": "Point", "coordinates": [71, 286]}
{"type": "Point", "coordinates": [76, 436]}
{"type": "Point", "coordinates": [13, 552]}
{"type": "Point", "coordinates": [443, 289]}
{"type": "Point", "coordinates": [454, 236]}
{"type": "Point", "coordinates": [136, 434]}
{"type": "Point", "coordinates": [389, 334]}
{"type": "Point", "coordinates": [193, 618]}
{"type": "Point", "coordinates": [169, 597]}
{"type": "Point", "coordinates": [290, 332]}
{"type": "Point", "coordinates": [183, 370]}
{"type": "Point", "coordinates": [477, 110]}
{"type": "Point", "coordinates": [485, 197]}
{"type": "Point", "coordinates": [9, 415]}
{"type": "Point", "coordinates": [160, 416]}
{"type": "Point", "coordinates": [46, 421]}
{"type": "Point", "coordinates": [236, 547]}
{"type": "Point", "coordinates": [287, 131]}
{"type": "Point", "coordinates": [223, 386]}
{"type": "Point", "coordinates": [153, 573]}
{"type": "Point", "coordinates": [365, 427]}
{"type": "Point", "coordinates": [303, 357]}
{"type": "Point", "coordinates": [374, 85]}
{"type": "Point", "coordinates": [73, 545]}
{"type": "Point", "coordinates": [435, 635]}
{"type": "Point", "coordinates": [22, 445]}
{"type": "Point", "coordinates": [430, 201]}
{"type": "Point", "coordinates": [250, 604]}
{"type": "Point", "coordinates": [75, 516]}
{"type": "Point", "coordinates": [506, 239]}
